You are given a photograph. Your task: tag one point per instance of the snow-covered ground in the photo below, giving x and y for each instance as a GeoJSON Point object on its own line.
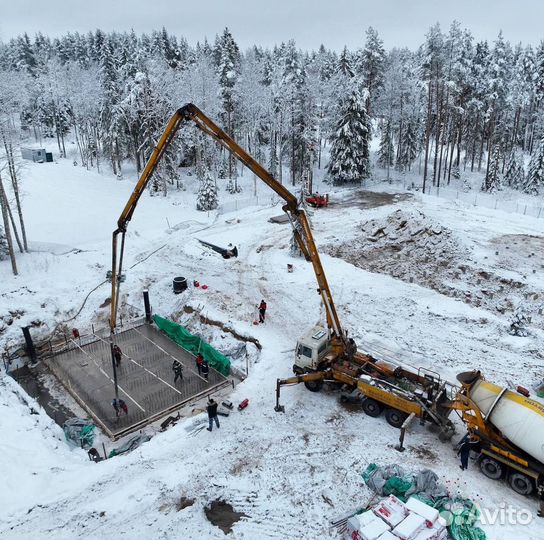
{"type": "Point", "coordinates": [291, 473]}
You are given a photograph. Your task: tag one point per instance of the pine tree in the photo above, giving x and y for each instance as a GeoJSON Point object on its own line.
{"type": "Point", "coordinates": [409, 148]}
{"type": "Point", "coordinates": [227, 58]}
{"type": "Point", "coordinates": [25, 55]}
{"type": "Point", "coordinates": [519, 322]}
{"type": "Point", "coordinates": [455, 172]}
{"type": "Point", "coordinates": [514, 176]}
{"type": "Point", "coordinates": [207, 198]}
{"type": "Point", "coordinates": [373, 65]}
{"type": "Point", "coordinates": [386, 152]}
{"type": "Point", "coordinates": [344, 67]}
{"type": "Point", "coordinates": [535, 175]}
{"type": "Point", "coordinates": [300, 113]}
{"type": "Point", "coordinates": [492, 181]}
{"type": "Point", "coordinates": [233, 187]}
{"type": "Point", "coordinates": [349, 158]}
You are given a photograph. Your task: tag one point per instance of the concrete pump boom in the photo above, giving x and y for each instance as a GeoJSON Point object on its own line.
{"type": "Point", "coordinates": [299, 221]}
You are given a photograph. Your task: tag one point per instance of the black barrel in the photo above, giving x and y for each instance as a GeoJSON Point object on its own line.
{"type": "Point", "coordinates": [180, 284]}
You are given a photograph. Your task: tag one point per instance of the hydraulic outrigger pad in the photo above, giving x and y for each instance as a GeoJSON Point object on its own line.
{"type": "Point", "coordinates": [278, 407]}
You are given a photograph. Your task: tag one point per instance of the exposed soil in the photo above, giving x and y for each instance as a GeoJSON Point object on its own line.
{"type": "Point", "coordinates": [371, 199]}
{"type": "Point", "coordinates": [413, 248]}
{"type": "Point", "coordinates": [519, 252]}
{"type": "Point", "coordinates": [184, 502]}
{"type": "Point", "coordinates": [222, 515]}
{"type": "Point", "coordinates": [423, 452]}
{"type": "Point", "coordinates": [31, 380]}
{"type": "Point", "coordinates": [206, 320]}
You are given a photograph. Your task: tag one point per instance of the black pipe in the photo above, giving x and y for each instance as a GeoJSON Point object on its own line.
{"type": "Point", "coordinates": [30, 350]}
{"type": "Point", "coordinates": [147, 307]}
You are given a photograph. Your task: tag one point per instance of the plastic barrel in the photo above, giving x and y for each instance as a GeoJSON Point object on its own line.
{"type": "Point", "coordinates": [179, 284]}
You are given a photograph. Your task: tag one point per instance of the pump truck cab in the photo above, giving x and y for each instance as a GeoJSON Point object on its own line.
{"type": "Point", "coordinates": [311, 350]}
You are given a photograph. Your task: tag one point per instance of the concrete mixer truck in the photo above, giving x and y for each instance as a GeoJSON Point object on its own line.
{"type": "Point", "coordinates": [510, 427]}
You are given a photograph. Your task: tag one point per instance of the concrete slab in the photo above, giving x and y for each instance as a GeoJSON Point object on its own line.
{"type": "Point", "coordinates": [145, 378]}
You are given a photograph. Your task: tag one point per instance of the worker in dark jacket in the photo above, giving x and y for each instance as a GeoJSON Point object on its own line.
{"type": "Point", "coordinates": [205, 369]}
{"type": "Point", "coordinates": [469, 442]}
{"type": "Point", "coordinates": [212, 414]}
{"type": "Point", "coordinates": [117, 355]}
{"type": "Point", "coordinates": [540, 513]}
{"type": "Point", "coordinates": [115, 405]}
{"type": "Point", "coordinates": [177, 368]}
{"type": "Point", "coordinates": [262, 311]}
{"type": "Point", "coordinates": [119, 405]}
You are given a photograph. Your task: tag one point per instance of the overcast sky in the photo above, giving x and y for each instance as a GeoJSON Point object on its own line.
{"type": "Point", "coordinates": [334, 23]}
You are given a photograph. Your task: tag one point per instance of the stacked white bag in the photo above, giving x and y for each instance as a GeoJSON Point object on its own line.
{"type": "Point", "coordinates": [391, 519]}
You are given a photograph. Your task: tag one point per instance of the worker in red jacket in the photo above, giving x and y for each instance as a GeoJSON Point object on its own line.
{"type": "Point", "coordinates": [262, 311]}
{"type": "Point", "coordinates": [199, 360]}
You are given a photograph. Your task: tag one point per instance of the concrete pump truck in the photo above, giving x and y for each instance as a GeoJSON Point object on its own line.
{"type": "Point", "coordinates": [327, 354]}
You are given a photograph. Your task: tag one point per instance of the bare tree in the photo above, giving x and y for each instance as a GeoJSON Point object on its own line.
{"type": "Point", "coordinates": [7, 230]}
{"type": "Point", "coordinates": [15, 185]}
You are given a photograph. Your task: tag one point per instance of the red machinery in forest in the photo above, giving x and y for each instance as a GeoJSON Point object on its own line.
{"type": "Point", "coordinates": [317, 201]}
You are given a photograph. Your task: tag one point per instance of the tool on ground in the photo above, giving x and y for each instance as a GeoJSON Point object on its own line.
{"type": "Point", "coordinates": [243, 404]}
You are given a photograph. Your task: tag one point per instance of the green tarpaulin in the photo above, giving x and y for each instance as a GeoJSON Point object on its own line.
{"type": "Point", "coordinates": [193, 344]}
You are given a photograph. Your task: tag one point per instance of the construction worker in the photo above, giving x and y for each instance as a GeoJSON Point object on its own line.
{"type": "Point", "coordinates": [115, 405]}
{"type": "Point", "coordinates": [212, 414]}
{"type": "Point", "coordinates": [117, 355]}
{"type": "Point", "coordinates": [262, 311]}
{"type": "Point", "coordinates": [119, 405]}
{"type": "Point", "coordinates": [468, 443]}
{"type": "Point", "coordinates": [540, 513]}
{"type": "Point", "coordinates": [199, 359]}
{"type": "Point", "coordinates": [94, 455]}
{"type": "Point", "coordinates": [177, 368]}
{"type": "Point", "coordinates": [123, 406]}
{"type": "Point", "coordinates": [205, 368]}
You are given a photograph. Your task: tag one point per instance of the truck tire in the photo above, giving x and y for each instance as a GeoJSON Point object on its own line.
{"type": "Point", "coordinates": [395, 417]}
{"type": "Point", "coordinates": [372, 407]}
{"type": "Point", "coordinates": [491, 468]}
{"type": "Point", "coordinates": [314, 386]}
{"type": "Point", "coordinates": [521, 483]}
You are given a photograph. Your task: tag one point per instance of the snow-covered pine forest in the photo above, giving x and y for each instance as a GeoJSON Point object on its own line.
{"type": "Point", "coordinates": [452, 105]}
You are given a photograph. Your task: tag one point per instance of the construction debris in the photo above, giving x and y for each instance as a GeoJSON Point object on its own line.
{"type": "Point", "coordinates": [130, 445]}
{"type": "Point", "coordinates": [79, 432]}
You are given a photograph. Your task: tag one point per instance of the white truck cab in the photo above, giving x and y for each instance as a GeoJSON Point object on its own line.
{"type": "Point", "coordinates": [311, 348]}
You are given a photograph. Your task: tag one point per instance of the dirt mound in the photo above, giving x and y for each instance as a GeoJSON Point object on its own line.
{"type": "Point", "coordinates": [222, 515]}
{"type": "Point", "coordinates": [412, 247]}
{"type": "Point", "coordinates": [404, 245]}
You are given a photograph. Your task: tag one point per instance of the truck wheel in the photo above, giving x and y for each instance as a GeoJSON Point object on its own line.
{"type": "Point", "coordinates": [491, 468]}
{"type": "Point", "coordinates": [372, 407]}
{"type": "Point", "coordinates": [314, 386]}
{"type": "Point", "coordinates": [395, 417]}
{"type": "Point", "coordinates": [520, 483]}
